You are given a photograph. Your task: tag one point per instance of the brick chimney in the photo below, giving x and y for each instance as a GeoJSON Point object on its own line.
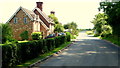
{"type": "Point", "coordinates": [39, 5]}
{"type": "Point", "coordinates": [52, 12]}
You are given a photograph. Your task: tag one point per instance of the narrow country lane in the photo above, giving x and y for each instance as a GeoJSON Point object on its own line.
{"type": "Point", "coordinates": [86, 51]}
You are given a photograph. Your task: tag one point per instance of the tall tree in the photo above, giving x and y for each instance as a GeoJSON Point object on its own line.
{"type": "Point", "coordinates": [100, 24]}
{"type": "Point", "coordinates": [112, 9]}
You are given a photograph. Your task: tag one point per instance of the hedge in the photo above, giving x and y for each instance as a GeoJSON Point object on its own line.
{"type": "Point", "coordinates": [13, 54]}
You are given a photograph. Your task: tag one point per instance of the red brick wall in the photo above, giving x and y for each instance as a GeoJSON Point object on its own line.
{"type": "Point", "coordinates": [45, 32]}
{"type": "Point", "coordinates": [20, 26]}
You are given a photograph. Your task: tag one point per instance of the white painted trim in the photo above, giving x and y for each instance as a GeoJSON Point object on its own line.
{"type": "Point", "coordinates": [18, 11]}
{"type": "Point", "coordinates": [44, 24]}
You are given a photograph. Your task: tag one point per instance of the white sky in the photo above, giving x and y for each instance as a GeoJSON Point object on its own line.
{"type": "Point", "coordinates": [79, 11]}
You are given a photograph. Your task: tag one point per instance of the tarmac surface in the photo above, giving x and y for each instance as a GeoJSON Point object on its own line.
{"type": "Point", "coordinates": [86, 52]}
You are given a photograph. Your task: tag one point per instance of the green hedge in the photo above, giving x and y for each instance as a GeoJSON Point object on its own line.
{"type": "Point", "coordinates": [14, 54]}
{"type": "Point", "coordinates": [36, 35]}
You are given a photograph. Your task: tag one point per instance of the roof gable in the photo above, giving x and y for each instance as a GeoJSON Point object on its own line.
{"type": "Point", "coordinates": [42, 13]}
{"type": "Point", "coordinates": [27, 12]}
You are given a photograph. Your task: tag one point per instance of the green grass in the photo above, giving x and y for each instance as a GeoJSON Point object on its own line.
{"type": "Point", "coordinates": [90, 32]}
{"type": "Point", "coordinates": [22, 41]}
{"type": "Point", "coordinates": [43, 56]}
{"type": "Point", "coordinates": [112, 39]}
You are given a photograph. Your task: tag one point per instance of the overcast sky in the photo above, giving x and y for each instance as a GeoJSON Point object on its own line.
{"type": "Point", "coordinates": [79, 11]}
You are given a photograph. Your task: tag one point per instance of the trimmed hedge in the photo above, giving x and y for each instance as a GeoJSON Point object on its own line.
{"type": "Point", "coordinates": [36, 35]}
{"type": "Point", "coordinates": [14, 54]}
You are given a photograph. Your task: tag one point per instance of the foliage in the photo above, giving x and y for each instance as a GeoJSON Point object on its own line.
{"type": "Point", "coordinates": [58, 28]}
{"type": "Point", "coordinates": [69, 36]}
{"type": "Point", "coordinates": [90, 32]}
{"type": "Point", "coordinates": [112, 9]}
{"type": "Point", "coordinates": [40, 57]}
{"type": "Point", "coordinates": [112, 38]}
{"type": "Point", "coordinates": [72, 26]}
{"type": "Point", "coordinates": [36, 35]}
{"type": "Point", "coordinates": [24, 35]}
{"type": "Point", "coordinates": [55, 19]}
{"type": "Point", "coordinates": [21, 52]}
{"type": "Point", "coordinates": [100, 25]}
{"type": "Point", "coordinates": [6, 34]}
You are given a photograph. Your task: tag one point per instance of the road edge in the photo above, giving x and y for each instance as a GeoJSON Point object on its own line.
{"type": "Point", "coordinates": [39, 61]}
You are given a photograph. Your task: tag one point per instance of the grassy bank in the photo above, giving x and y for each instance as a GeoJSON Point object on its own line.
{"type": "Point", "coordinates": [43, 55]}
{"type": "Point", "coordinates": [113, 39]}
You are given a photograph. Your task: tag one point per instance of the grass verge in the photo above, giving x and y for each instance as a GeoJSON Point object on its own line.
{"type": "Point", "coordinates": [26, 64]}
{"type": "Point", "coordinates": [112, 39]}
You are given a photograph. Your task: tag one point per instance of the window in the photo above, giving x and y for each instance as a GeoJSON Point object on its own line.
{"type": "Point", "coordinates": [15, 20]}
{"type": "Point", "coordinates": [25, 20]}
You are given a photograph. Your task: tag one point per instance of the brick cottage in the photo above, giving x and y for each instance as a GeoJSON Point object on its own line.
{"type": "Point", "coordinates": [31, 21]}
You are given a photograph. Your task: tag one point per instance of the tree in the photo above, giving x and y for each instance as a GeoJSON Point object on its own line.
{"type": "Point", "coordinates": [66, 26]}
{"type": "Point", "coordinates": [58, 28]}
{"type": "Point", "coordinates": [100, 24]}
{"type": "Point", "coordinates": [112, 9]}
{"type": "Point", "coordinates": [55, 19]}
{"type": "Point", "coordinates": [72, 26]}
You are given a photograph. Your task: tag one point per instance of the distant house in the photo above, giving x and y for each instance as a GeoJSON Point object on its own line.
{"type": "Point", "coordinates": [31, 21]}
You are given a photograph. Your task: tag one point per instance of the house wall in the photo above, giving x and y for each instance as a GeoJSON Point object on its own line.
{"type": "Point", "coordinates": [20, 26]}
{"type": "Point", "coordinates": [42, 28]}
{"type": "Point", "coordinates": [45, 32]}
{"type": "Point", "coordinates": [36, 26]}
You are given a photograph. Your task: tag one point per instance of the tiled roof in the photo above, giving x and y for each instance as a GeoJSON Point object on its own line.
{"type": "Point", "coordinates": [31, 13]}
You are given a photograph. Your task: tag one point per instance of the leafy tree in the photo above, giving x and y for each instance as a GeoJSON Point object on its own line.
{"type": "Point", "coordinates": [112, 9]}
{"type": "Point", "coordinates": [66, 26]}
{"type": "Point", "coordinates": [58, 28]}
{"type": "Point", "coordinates": [100, 24]}
{"type": "Point", "coordinates": [72, 26]}
{"type": "Point", "coordinates": [55, 19]}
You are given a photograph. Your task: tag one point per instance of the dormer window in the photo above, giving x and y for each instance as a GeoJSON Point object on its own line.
{"type": "Point", "coordinates": [15, 20]}
{"type": "Point", "coordinates": [25, 20]}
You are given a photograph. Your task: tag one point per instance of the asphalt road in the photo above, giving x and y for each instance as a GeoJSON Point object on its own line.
{"type": "Point", "coordinates": [86, 51]}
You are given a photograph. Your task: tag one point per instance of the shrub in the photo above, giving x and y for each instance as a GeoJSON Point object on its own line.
{"type": "Point", "coordinates": [13, 54]}
{"type": "Point", "coordinates": [9, 55]}
{"type": "Point", "coordinates": [6, 34]}
{"type": "Point", "coordinates": [50, 43]}
{"type": "Point", "coordinates": [36, 35]}
{"type": "Point", "coordinates": [24, 35]}
{"type": "Point", "coordinates": [68, 36]}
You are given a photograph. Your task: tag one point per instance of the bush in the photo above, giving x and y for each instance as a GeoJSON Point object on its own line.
{"type": "Point", "coordinates": [6, 34]}
{"type": "Point", "coordinates": [68, 36]}
{"type": "Point", "coordinates": [50, 43]}
{"type": "Point", "coordinates": [36, 35]}
{"type": "Point", "coordinates": [24, 35]}
{"type": "Point", "coordinates": [9, 55]}
{"type": "Point", "coordinates": [17, 53]}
